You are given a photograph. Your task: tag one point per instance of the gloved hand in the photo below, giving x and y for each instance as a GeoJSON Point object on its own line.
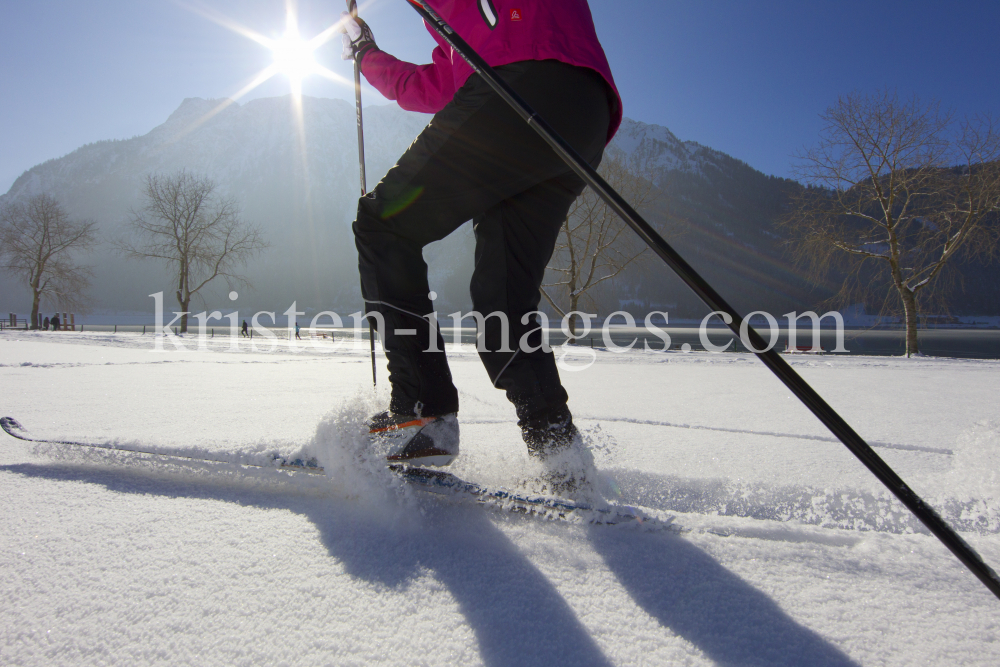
{"type": "Point", "coordinates": [358, 38]}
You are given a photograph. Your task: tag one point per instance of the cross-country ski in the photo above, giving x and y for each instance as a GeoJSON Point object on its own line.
{"type": "Point", "coordinates": [426, 479]}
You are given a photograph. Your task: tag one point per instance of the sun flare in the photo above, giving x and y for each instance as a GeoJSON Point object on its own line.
{"type": "Point", "coordinates": [293, 56]}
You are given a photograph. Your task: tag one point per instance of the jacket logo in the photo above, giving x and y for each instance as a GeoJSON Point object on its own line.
{"type": "Point", "coordinates": [488, 12]}
{"type": "Point", "coordinates": [515, 15]}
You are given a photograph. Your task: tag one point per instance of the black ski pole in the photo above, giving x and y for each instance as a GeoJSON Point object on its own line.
{"type": "Point", "coordinates": [805, 393]}
{"type": "Point", "coordinates": [352, 7]}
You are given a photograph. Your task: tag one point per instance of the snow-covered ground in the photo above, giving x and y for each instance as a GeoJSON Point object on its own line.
{"type": "Point", "coordinates": [792, 553]}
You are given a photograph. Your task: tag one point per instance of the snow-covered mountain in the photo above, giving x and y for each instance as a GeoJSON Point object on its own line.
{"type": "Point", "coordinates": [301, 187]}
{"type": "Point", "coordinates": [719, 212]}
{"type": "Point", "coordinates": [252, 150]}
{"type": "Point", "coordinates": [658, 148]}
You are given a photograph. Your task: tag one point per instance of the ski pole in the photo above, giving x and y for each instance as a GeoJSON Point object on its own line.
{"type": "Point", "coordinates": [352, 7]}
{"type": "Point", "coordinates": [805, 393]}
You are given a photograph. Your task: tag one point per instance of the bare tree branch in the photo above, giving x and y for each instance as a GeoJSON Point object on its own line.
{"type": "Point", "coordinates": [594, 245]}
{"type": "Point", "coordinates": [552, 303]}
{"type": "Point", "coordinates": [897, 194]}
{"type": "Point", "coordinates": [38, 242]}
{"type": "Point", "coordinates": [198, 233]}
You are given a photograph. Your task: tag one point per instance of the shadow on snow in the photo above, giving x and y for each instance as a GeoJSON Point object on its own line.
{"type": "Point", "coordinates": [690, 593]}
{"type": "Point", "coordinates": [516, 613]}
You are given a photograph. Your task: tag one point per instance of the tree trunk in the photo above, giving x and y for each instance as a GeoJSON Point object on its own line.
{"type": "Point", "coordinates": [573, 302]}
{"type": "Point", "coordinates": [183, 295]}
{"type": "Point", "coordinates": [910, 315]}
{"type": "Point", "coordinates": [34, 309]}
{"type": "Point", "coordinates": [184, 309]}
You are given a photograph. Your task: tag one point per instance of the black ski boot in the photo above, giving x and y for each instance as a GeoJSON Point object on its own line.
{"type": "Point", "coordinates": [554, 441]}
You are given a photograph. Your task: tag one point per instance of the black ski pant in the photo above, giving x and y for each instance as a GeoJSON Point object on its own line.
{"type": "Point", "coordinates": [477, 159]}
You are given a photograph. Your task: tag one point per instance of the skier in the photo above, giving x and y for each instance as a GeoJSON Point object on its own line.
{"type": "Point", "coordinates": [243, 331]}
{"type": "Point", "coordinates": [478, 160]}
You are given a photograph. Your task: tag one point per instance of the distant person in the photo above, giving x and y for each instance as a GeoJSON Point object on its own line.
{"type": "Point", "coordinates": [45, 324]}
{"type": "Point", "coordinates": [55, 322]}
{"type": "Point", "coordinates": [244, 332]}
{"type": "Point", "coordinates": [297, 336]}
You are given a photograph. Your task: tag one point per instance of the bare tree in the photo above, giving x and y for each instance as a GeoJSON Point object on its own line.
{"type": "Point", "coordinates": [595, 245]}
{"type": "Point", "coordinates": [902, 191]}
{"type": "Point", "coordinates": [198, 233]}
{"type": "Point", "coordinates": [38, 243]}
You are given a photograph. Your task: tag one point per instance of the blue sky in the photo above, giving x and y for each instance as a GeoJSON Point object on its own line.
{"type": "Point", "coordinates": [745, 77]}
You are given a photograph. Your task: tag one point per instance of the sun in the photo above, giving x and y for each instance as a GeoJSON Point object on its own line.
{"type": "Point", "coordinates": [293, 56]}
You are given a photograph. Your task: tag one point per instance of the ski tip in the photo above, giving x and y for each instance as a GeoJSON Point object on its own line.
{"type": "Point", "coordinates": [10, 424]}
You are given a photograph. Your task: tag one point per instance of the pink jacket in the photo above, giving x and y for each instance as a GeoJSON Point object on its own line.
{"type": "Point", "coordinates": [502, 32]}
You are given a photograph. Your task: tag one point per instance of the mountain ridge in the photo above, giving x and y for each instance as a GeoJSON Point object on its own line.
{"type": "Point", "coordinates": [306, 200]}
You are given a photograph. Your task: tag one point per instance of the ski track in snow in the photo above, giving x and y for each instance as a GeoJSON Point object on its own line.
{"type": "Point", "coordinates": [791, 554]}
{"type": "Point", "coordinates": [648, 422]}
